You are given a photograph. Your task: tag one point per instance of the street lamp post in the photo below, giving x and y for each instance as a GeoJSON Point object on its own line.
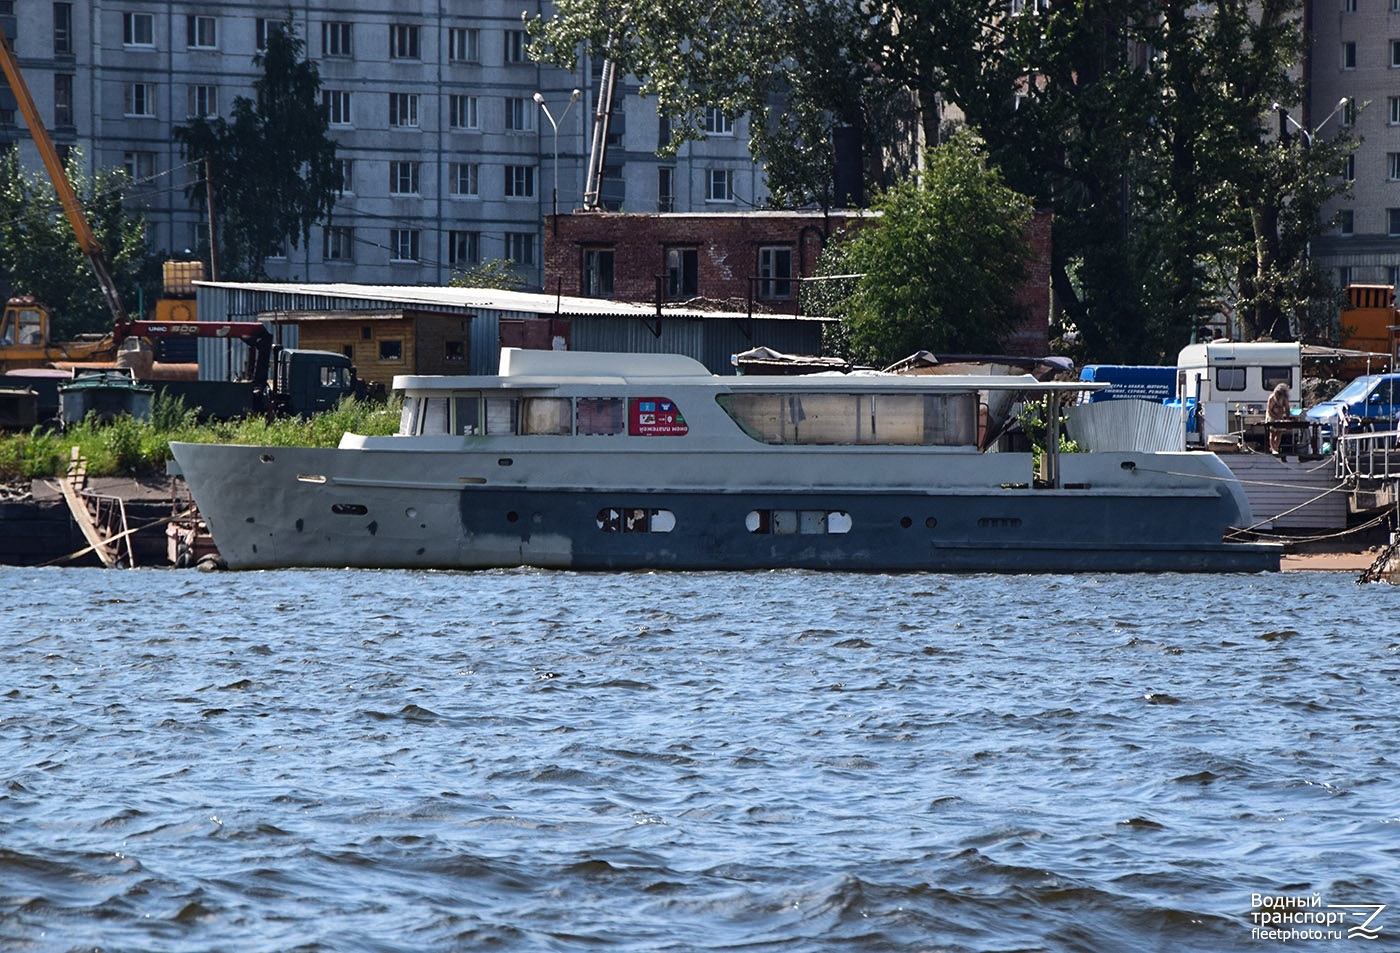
{"type": "Point", "coordinates": [1285, 120]}
{"type": "Point", "coordinates": [573, 98]}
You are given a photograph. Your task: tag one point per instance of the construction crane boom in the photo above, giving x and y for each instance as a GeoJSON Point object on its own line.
{"type": "Point", "coordinates": [89, 244]}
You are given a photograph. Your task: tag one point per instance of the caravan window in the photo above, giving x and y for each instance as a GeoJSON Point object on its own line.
{"type": "Point", "coordinates": [1229, 378]}
{"type": "Point", "coordinates": [1274, 376]}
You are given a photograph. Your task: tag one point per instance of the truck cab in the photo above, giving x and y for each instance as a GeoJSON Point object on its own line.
{"type": "Point", "coordinates": [306, 382]}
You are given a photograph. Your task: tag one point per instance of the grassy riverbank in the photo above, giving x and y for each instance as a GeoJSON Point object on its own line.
{"type": "Point", "coordinates": [133, 447]}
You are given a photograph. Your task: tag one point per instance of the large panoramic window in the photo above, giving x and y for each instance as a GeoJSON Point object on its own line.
{"type": "Point", "coordinates": [844, 419]}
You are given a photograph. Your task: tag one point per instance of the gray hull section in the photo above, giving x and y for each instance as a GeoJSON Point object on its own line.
{"type": "Point", "coordinates": [268, 515]}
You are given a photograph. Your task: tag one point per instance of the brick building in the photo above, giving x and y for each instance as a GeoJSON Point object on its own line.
{"type": "Point", "coordinates": [750, 261]}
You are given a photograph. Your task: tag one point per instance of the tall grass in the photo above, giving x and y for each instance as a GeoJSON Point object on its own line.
{"type": "Point", "coordinates": [132, 447]}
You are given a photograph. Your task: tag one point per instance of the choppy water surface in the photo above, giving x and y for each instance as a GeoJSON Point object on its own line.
{"type": "Point", "coordinates": [386, 761]}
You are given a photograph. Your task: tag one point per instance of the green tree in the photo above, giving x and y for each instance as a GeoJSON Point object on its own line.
{"type": "Point", "coordinates": [39, 253]}
{"type": "Point", "coordinates": [272, 165]}
{"type": "Point", "coordinates": [1143, 125]}
{"type": "Point", "coordinates": [496, 273]}
{"type": "Point", "coordinates": [941, 262]}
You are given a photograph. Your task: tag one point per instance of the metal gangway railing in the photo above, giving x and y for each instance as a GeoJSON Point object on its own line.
{"type": "Point", "coordinates": [1372, 455]}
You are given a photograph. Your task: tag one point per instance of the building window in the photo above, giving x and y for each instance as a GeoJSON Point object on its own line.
{"type": "Point", "coordinates": [201, 33]}
{"type": "Point", "coordinates": [265, 28]}
{"type": "Point", "coordinates": [337, 105]}
{"type": "Point", "coordinates": [520, 114]}
{"type": "Point", "coordinates": [403, 179]}
{"type": "Point", "coordinates": [1347, 117]}
{"type": "Point", "coordinates": [520, 181]}
{"type": "Point", "coordinates": [775, 272]}
{"type": "Point", "coordinates": [403, 110]}
{"type": "Point", "coordinates": [337, 39]}
{"type": "Point", "coordinates": [62, 29]}
{"type": "Point", "coordinates": [138, 29]}
{"type": "Point", "coordinates": [717, 123]}
{"type": "Point", "coordinates": [462, 112]}
{"type": "Point", "coordinates": [1392, 166]}
{"type": "Point", "coordinates": [1343, 276]}
{"type": "Point", "coordinates": [1392, 222]}
{"type": "Point", "coordinates": [682, 273]}
{"type": "Point", "coordinates": [140, 166]}
{"type": "Point", "coordinates": [1395, 6]}
{"type": "Point", "coordinates": [463, 179]}
{"type": "Point", "coordinates": [203, 101]}
{"type": "Point", "coordinates": [1348, 6]}
{"type": "Point", "coordinates": [403, 244]}
{"type": "Point", "coordinates": [1349, 55]}
{"type": "Point", "coordinates": [1393, 110]}
{"type": "Point", "coordinates": [62, 99]}
{"type": "Point", "coordinates": [597, 273]}
{"type": "Point", "coordinates": [520, 247]}
{"type": "Point", "coordinates": [665, 189]}
{"type": "Point", "coordinates": [1346, 221]}
{"type": "Point", "coordinates": [719, 185]}
{"type": "Point", "coordinates": [140, 100]}
{"type": "Point", "coordinates": [515, 46]}
{"type": "Point", "coordinates": [391, 350]}
{"type": "Point", "coordinates": [464, 45]}
{"type": "Point", "coordinates": [463, 248]}
{"type": "Point", "coordinates": [340, 243]}
{"type": "Point", "coordinates": [347, 175]}
{"type": "Point", "coordinates": [403, 41]}
{"type": "Point", "coordinates": [1349, 168]}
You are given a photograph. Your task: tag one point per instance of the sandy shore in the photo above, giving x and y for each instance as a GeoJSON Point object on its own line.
{"type": "Point", "coordinates": [1348, 562]}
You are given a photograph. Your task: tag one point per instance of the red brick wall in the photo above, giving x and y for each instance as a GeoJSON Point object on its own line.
{"type": "Point", "coordinates": [728, 257]}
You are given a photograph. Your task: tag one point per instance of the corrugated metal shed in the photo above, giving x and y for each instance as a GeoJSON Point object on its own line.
{"type": "Point", "coordinates": [711, 337]}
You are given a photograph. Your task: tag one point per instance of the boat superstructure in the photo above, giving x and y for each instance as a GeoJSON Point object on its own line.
{"type": "Point", "coordinates": [631, 461]}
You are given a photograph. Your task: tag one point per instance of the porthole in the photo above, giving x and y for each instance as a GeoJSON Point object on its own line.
{"type": "Point", "coordinates": [930, 522]}
{"type": "Point", "coordinates": [906, 522]}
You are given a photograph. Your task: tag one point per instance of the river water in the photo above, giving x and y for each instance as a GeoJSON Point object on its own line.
{"type": "Point", "coordinates": [776, 761]}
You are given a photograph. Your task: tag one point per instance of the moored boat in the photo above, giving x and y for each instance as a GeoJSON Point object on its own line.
{"type": "Point", "coordinates": [629, 461]}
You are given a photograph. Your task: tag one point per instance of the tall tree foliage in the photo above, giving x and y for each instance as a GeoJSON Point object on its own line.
{"type": "Point", "coordinates": [272, 165]}
{"type": "Point", "coordinates": [1144, 125]}
{"type": "Point", "coordinates": [941, 263]}
{"type": "Point", "coordinates": [39, 253]}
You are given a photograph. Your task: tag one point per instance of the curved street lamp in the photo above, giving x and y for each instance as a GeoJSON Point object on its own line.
{"type": "Point", "coordinates": [573, 98]}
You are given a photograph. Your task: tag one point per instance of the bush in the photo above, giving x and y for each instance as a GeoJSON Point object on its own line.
{"type": "Point", "coordinates": [127, 446]}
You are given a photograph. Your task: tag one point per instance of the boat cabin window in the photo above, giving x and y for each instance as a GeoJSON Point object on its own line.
{"type": "Point", "coordinates": [843, 419]}
{"type": "Point", "coordinates": [472, 415]}
{"type": "Point", "coordinates": [500, 415]}
{"type": "Point", "coordinates": [601, 416]}
{"type": "Point", "coordinates": [435, 416]}
{"type": "Point", "coordinates": [467, 416]}
{"type": "Point", "coordinates": [547, 415]}
{"type": "Point", "coordinates": [408, 417]}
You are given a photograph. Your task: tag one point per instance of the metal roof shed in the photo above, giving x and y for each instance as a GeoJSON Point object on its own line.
{"type": "Point", "coordinates": [710, 337]}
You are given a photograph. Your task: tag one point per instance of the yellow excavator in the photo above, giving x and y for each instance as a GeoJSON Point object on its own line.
{"type": "Point", "coordinates": [26, 325]}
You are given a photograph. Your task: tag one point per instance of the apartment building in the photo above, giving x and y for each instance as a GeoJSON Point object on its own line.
{"type": "Point", "coordinates": [1354, 52]}
{"type": "Point", "coordinates": [448, 155]}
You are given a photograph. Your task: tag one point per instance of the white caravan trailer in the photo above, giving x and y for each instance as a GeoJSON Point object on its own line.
{"type": "Point", "coordinates": [1224, 384]}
